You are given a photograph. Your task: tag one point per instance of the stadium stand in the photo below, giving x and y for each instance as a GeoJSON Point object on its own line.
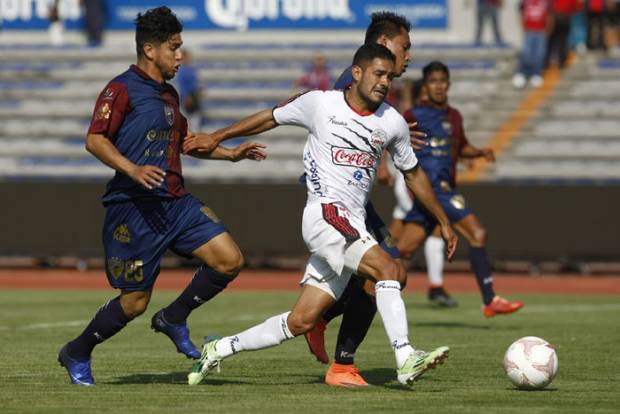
{"type": "Point", "coordinates": [47, 95]}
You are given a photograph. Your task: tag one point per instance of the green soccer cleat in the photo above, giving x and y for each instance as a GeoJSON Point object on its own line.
{"type": "Point", "coordinates": [209, 359]}
{"type": "Point", "coordinates": [419, 362]}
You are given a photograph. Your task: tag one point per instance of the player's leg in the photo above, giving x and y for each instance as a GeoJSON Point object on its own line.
{"type": "Point", "coordinates": [132, 255]}
{"type": "Point", "coordinates": [360, 309]}
{"type": "Point", "coordinates": [317, 295]}
{"type": "Point", "coordinates": [410, 364]}
{"type": "Point", "coordinates": [472, 229]}
{"type": "Point", "coordinates": [202, 235]}
{"type": "Point", "coordinates": [434, 253]}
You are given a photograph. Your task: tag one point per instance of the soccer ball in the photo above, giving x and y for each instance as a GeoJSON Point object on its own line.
{"type": "Point", "coordinates": [531, 363]}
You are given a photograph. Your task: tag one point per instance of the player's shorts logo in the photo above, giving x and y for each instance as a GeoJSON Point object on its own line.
{"type": "Point", "coordinates": [169, 113]}
{"type": "Point", "coordinates": [209, 213]}
{"type": "Point", "coordinates": [121, 234]}
{"type": "Point", "coordinates": [458, 202]}
{"type": "Point", "coordinates": [116, 267]}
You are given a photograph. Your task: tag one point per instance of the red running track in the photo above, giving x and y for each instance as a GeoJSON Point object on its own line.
{"type": "Point", "coordinates": [288, 280]}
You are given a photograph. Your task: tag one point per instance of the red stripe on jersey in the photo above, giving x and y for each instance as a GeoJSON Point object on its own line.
{"type": "Point", "coordinates": [110, 110]}
{"type": "Point", "coordinates": [330, 214]}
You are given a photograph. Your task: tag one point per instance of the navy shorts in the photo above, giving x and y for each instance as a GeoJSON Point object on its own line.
{"type": "Point", "coordinates": [452, 203]}
{"type": "Point", "coordinates": [377, 228]}
{"type": "Point", "coordinates": [137, 233]}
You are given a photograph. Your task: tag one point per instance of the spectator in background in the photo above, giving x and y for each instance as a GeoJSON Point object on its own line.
{"type": "Point", "coordinates": [190, 92]}
{"type": "Point", "coordinates": [56, 28]}
{"type": "Point", "coordinates": [317, 77]}
{"type": "Point", "coordinates": [563, 10]}
{"type": "Point", "coordinates": [596, 11]}
{"type": "Point", "coordinates": [488, 10]}
{"type": "Point", "coordinates": [536, 21]}
{"type": "Point", "coordinates": [94, 17]}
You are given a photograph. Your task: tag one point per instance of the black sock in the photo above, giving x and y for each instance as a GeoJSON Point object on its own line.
{"type": "Point", "coordinates": [358, 315]}
{"type": "Point", "coordinates": [205, 284]}
{"type": "Point", "coordinates": [108, 320]}
{"type": "Point", "coordinates": [484, 274]}
{"type": "Point", "coordinates": [337, 308]}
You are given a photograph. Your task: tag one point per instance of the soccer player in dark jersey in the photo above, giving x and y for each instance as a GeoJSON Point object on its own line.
{"type": "Point", "coordinates": [138, 130]}
{"type": "Point", "coordinates": [443, 125]}
{"type": "Point", "coordinates": [357, 304]}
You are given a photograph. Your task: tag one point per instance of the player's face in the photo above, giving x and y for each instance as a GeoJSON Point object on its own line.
{"type": "Point", "coordinates": [168, 56]}
{"type": "Point", "coordinates": [437, 85]}
{"type": "Point", "coordinates": [375, 81]}
{"type": "Point", "coordinates": [401, 47]}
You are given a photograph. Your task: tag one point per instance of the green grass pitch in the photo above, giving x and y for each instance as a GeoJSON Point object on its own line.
{"type": "Point", "coordinates": [139, 371]}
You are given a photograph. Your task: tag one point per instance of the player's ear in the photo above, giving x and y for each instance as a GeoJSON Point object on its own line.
{"type": "Point", "coordinates": [356, 72]}
{"type": "Point", "coordinates": [149, 51]}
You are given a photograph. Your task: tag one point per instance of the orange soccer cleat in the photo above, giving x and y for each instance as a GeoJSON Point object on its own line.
{"type": "Point", "coordinates": [501, 306]}
{"type": "Point", "coordinates": [339, 375]}
{"type": "Point", "coordinates": [316, 341]}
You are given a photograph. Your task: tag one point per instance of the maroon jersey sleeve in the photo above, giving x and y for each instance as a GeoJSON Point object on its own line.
{"type": "Point", "coordinates": [460, 139]}
{"type": "Point", "coordinates": [409, 117]}
{"type": "Point", "coordinates": [110, 110]}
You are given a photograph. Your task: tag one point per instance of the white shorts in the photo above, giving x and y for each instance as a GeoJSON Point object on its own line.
{"type": "Point", "coordinates": [404, 202]}
{"type": "Point", "coordinates": [337, 241]}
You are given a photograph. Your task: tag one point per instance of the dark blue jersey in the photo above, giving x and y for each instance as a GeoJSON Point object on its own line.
{"type": "Point", "coordinates": [446, 138]}
{"type": "Point", "coordinates": [345, 80]}
{"type": "Point", "coordinates": [141, 117]}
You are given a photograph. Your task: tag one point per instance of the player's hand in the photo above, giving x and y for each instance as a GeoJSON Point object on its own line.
{"type": "Point", "coordinates": [417, 138]}
{"type": "Point", "coordinates": [199, 142]}
{"type": "Point", "coordinates": [250, 151]}
{"type": "Point", "coordinates": [451, 240]}
{"type": "Point", "coordinates": [148, 176]}
{"type": "Point", "coordinates": [488, 154]}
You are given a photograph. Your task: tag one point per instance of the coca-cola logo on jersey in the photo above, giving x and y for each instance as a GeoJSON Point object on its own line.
{"type": "Point", "coordinates": [351, 157]}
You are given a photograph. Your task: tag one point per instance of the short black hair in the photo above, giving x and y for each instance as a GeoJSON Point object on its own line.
{"type": "Point", "coordinates": [370, 51]}
{"type": "Point", "coordinates": [155, 26]}
{"type": "Point", "coordinates": [416, 88]}
{"type": "Point", "coordinates": [386, 23]}
{"type": "Point", "coordinates": [435, 66]}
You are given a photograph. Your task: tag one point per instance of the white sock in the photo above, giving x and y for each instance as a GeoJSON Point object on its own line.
{"type": "Point", "coordinates": [270, 333]}
{"type": "Point", "coordinates": [434, 254]}
{"type": "Point", "coordinates": [392, 310]}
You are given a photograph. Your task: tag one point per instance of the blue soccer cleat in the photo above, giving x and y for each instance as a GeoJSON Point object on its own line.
{"type": "Point", "coordinates": [178, 334]}
{"type": "Point", "coordinates": [78, 370]}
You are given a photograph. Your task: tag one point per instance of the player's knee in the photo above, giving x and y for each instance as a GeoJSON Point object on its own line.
{"type": "Point", "coordinates": [135, 305]}
{"type": "Point", "coordinates": [387, 270]}
{"type": "Point", "coordinates": [231, 265]}
{"type": "Point", "coordinates": [479, 238]}
{"type": "Point", "coordinates": [299, 323]}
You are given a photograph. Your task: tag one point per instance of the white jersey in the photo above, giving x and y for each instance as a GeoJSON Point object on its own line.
{"type": "Point", "coordinates": [344, 147]}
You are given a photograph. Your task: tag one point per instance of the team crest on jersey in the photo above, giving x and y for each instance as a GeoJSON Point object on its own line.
{"type": "Point", "coordinates": [169, 113]}
{"type": "Point", "coordinates": [103, 112]}
{"type": "Point", "coordinates": [121, 234]}
{"type": "Point", "coordinates": [378, 137]}
{"type": "Point", "coordinates": [447, 126]}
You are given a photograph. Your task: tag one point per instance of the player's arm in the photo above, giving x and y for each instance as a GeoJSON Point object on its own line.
{"type": "Point", "coordinates": [469, 151]}
{"type": "Point", "coordinates": [149, 176]}
{"type": "Point", "coordinates": [247, 150]}
{"type": "Point", "coordinates": [420, 186]}
{"type": "Point", "coordinates": [254, 124]}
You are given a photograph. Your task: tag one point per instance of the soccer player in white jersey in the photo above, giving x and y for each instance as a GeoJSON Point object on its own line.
{"type": "Point", "coordinates": [347, 133]}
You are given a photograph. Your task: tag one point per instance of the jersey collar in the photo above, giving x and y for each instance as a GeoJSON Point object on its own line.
{"type": "Point", "coordinates": [367, 113]}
